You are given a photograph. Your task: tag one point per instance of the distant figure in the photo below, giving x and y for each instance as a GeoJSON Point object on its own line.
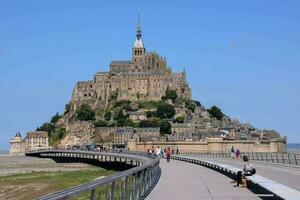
{"type": "Point", "coordinates": [232, 152]}
{"type": "Point", "coordinates": [168, 154]}
{"type": "Point", "coordinates": [177, 151]}
{"type": "Point", "coordinates": [162, 152]}
{"type": "Point", "coordinates": [237, 154]}
{"type": "Point", "coordinates": [158, 151]}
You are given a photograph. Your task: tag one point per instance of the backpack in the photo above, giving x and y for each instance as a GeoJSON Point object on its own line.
{"type": "Point", "coordinates": [253, 171]}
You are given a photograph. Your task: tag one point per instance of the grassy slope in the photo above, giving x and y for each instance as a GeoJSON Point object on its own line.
{"type": "Point", "coordinates": [31, 185]}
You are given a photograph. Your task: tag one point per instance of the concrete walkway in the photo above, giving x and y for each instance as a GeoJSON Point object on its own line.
{"type": "Point", "coordinates": [289, 176]}
{"type": "Point", "coordinates": [182, 180]}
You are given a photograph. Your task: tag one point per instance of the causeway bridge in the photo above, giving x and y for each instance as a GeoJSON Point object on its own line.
{"type": "Point", "coordinates": [186, 176]}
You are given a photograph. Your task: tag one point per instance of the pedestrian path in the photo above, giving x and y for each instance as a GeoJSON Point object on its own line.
{"type": "Point", "coordinates": [181, 180]}
{"type": "Point", "coordinates": [285, 175]}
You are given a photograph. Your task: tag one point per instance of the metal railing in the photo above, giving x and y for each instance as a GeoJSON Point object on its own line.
{"type": "Point", "coordinates": [281, 158]}
{"type": "Point", "coordinates": [134, 183]}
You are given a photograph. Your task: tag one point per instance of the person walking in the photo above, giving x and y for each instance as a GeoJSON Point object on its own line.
{"type": "Point", "coordinates": [232, 152]}
{"type": "Point", "coordinates": [237, 154]}
{"type": "Point", "coordinates": [168, 154]}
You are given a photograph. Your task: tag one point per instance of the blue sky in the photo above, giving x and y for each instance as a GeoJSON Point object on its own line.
{"type": "Point", "coordinates": [240, 55]}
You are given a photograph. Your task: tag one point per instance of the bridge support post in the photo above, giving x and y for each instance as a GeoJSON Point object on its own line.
{"type": "Point", "coordinates": [92, 196]}
{"type": "Point", "coordinates": [112, 191]}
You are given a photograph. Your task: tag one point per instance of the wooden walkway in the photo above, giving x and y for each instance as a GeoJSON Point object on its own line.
{"type": "Point", "coordinates": [181, 180]}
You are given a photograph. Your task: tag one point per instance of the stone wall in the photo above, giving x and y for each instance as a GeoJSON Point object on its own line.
{"type": "Point", "coordinates": [215, 144]}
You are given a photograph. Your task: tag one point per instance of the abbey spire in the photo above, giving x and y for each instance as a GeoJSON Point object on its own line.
{"type": "Point", "coordinates": [138, 41]}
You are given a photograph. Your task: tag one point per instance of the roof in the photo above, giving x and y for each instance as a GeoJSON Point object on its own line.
{"type": "Point", "coordinates": [18, 134]}
{"type": "Point", "coordinates": [121, 130]}
{"type": "Point", "coordinates": [37, 134]}
{"type": "Point", "coordinates": [143, 73]}
{"type": "Point", "coordinates": [137, 113]}
{"type": "Point", "coordinates": [138, 43]}
{"type": "Point", "coordinates": [148, 129]}
{"type": "Point", "coordinates": [120, 62]}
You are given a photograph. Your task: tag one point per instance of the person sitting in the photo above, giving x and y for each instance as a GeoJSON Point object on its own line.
{"type": "Point", "coordinates": [248, 170]}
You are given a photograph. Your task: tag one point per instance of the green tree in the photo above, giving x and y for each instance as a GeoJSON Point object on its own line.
{"type": "Point", "coordinates": [165, 110]}
{"type": "Point", "coordinates": [127, 107]}
{"type": "Point", "coordinates": [129, 122]}
{"type": "Point", "coordinates": [48, 127]}
{"type": "Point", "coordinates": [57, 135]}
{"type": "Point", "coordinates": [67, 108]}
{"type": "Point", "coordinates": [190, 105]}
{"type": "Point", "coordinates": [197, 103]}
{"type": "Point", "coordinates": [150, 122]}
{"type": "Point", "coordinates": [170, 94]}
{"type": "Point", "coordinates": [216, 112]}
{"type": "Point", "coordinates": [114, 96]}
{"type": "Point", "coordinates": [85, 113]}
{"type": "Point", "coordinates": [100, 123]}
{"type": "Point", "coordinates": [165, 128]}
{"type": "Point", "coordinates": [119, 114]}
{"type": "Point", "coordinates": [55, 118]}
{"type": "Point", "coordinates": [107, 115]}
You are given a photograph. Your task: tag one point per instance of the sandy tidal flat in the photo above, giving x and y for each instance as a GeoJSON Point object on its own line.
{"type": "Point", "coordinates": [23, 164]}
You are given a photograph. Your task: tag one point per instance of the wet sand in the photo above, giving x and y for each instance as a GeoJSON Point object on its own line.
{"type": "Point", "coordinates": [23, 164]}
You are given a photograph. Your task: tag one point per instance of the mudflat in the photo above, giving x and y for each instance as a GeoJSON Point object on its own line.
{"type": "Point", "coordinates": [23, 178]}
{"type": "Point", "coordinates": [24, 164]}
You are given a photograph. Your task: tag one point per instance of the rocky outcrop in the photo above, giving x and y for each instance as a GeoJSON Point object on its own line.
{"type": "Point", "coordinates": [78, 133]}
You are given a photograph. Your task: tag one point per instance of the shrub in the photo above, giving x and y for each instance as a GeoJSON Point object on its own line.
{"type": "Point", "coordinates": [114, 96]}
{"type": "Point", "coordinates": [190, 105]}
{"type": "Point", "coordinates": [216, 112]}
{"type": "Point", "coordinates": [55, 118]}
{"type": "Point", "coordinates": [165, 128]}
{"type": "Point", "coordinates": [48, 127]}
{"type": "Point", "coordinates": [100, 123]}
{"type": "Point", "coordinates": [67, 108]}
{"type": "Point", "coordinates": [107, 115]}
{"type": "Point", "coordinates": [170, 94]}
{"type": "Point", "coordinates": [165, 110]}
{"type": "Point", "coordinates": [85, 113]}
{"type": "Point", "coordinates": [179, 119]}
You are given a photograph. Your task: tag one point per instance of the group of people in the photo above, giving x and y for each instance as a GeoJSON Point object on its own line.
{"type": "Point", "coordinates": [235, 153]}
{"type": "Point", "coordinates": [166, 152]}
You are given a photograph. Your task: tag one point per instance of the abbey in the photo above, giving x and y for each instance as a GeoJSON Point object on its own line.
{"type": "Point", "coordinates": [145, 77]}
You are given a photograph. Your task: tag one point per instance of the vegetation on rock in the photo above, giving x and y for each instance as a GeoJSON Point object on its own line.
{"type": "Point", "coordinates": [216, 112]}
{"type": "Point", "coordinates": [170, 94]}
{"type": "Point", "coordinates": [179, 119]}
{"type": "Point", "coordinates": [165, 110]}
{"type": "Point", "coordinates": [85, 113]}
{"type": "Point", "coordinates": [165, 127]}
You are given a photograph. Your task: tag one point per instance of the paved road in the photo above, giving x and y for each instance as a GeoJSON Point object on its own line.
{"type": "Point", "coordinates": [289, 176]}
{"type": "Point", "coordinates": [181, 180]}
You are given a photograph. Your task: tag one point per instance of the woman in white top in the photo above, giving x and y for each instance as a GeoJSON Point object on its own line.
{"type": "Point", "coordinates": [248, 168]}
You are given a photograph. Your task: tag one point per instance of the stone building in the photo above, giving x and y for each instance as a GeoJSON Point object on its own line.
{"type": "Point", "coordinates": [37, 140]}
{"type": "Point", "coordinates": [33, 141]}
{"type": "Point", "coordinates": [17, 144]}
{"type": "Point", "coordinates": [137, 116]}
{"type": "Point", "coordinates": [146, 76]}
{"type": "Point", "coordinates": [123, 135]}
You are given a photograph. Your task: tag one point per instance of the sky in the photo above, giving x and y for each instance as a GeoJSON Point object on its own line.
{"type": "Point", "coordinates": [242, 56]}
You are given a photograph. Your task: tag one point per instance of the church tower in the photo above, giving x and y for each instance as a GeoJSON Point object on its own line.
{"type": "Point", "coordinates": [138, 50]}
